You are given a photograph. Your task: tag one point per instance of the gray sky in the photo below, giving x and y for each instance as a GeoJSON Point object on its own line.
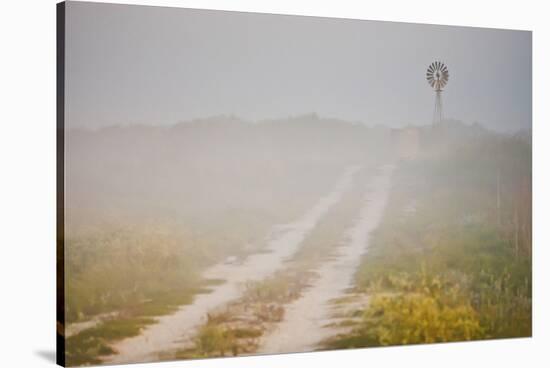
{"type": "Point", "coordinates": [154, 65]}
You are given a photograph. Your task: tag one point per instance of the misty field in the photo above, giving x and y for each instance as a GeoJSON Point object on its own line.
{"type": "Point", "coordinates": [452, 259]}
{"type": "Point", "coordinates": [212, 237]}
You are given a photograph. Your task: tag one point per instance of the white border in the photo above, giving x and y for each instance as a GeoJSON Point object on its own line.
{"type": "Point", "coordinates": [27, 180]}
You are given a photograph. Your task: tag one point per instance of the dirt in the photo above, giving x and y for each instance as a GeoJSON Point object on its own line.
{"type": "Point", "coordinates": [309, 319]}
{"type": "Point", "coordinates": [172, 330]}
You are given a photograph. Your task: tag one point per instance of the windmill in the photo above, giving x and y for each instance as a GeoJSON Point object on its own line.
{"type": "Point", "coordinates": [437, 76]}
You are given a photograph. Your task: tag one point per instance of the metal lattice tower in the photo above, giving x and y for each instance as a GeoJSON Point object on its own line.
{"type": "Point", "coordinates": [437, 76]}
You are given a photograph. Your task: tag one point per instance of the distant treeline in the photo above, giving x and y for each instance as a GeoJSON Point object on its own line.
{"type": "Point", "coordinates": [207, 166]}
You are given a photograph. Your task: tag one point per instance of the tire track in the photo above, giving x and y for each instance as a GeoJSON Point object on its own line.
{"type": "Point", "coordinates": [284, 241]}
{"type": "Point", "coordinates": [304, 325]}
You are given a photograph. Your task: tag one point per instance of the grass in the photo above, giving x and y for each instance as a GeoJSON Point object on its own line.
{"type": "Point", "coordinates": [215, 340]}
{"type": "Point", "coordinates": [90, 345]}
{"type": "Point", "coordinates": [455, 269]}
{"type": "Point", "coordinates": [139, 273]}
{"type": "Point", "coordinates": [144, 272]}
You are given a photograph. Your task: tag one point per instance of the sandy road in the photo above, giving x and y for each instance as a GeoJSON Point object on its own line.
{"type": "Point", "coordinates": [305, 319]}
{"type": "Point", "coordinates": [172, 330]}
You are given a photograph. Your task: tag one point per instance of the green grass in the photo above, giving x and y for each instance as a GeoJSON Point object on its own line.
{"type": "Point", "coordinates": [139, 273]}
{"type": "Point", "coordinates": [217, 340]}
{"type": "Point", "coordinates": [90, 345]}
{"type": "Point", "coordinates": [455, 269]}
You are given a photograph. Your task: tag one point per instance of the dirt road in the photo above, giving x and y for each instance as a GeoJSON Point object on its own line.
{"type": "Point", "coordinates": [305, 319]}
{"type": "Point", "coordinates": [283, 242]}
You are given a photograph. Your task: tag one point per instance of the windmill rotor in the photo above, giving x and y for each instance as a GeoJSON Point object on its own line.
{"type": "Point", "coordinates": [437, 75]}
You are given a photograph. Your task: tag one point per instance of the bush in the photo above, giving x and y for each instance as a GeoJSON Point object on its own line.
{"type": "Point", "coordinates": [431, 311]}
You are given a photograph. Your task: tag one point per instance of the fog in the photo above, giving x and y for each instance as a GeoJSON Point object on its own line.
{"type": "Point", "coordinates": [210, 168]}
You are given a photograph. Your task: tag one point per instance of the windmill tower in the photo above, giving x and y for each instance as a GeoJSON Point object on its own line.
{"type": "Point", "coordinates": [437, 76]}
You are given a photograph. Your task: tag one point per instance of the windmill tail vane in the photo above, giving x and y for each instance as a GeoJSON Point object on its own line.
{"type": "Point", "coordinates": [437, 76]}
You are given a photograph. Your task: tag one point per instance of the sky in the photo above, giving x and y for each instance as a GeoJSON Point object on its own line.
{"type": "Point", "coordinates": [159, 66]}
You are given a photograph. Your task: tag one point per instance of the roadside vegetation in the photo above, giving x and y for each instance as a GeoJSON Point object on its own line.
{"type": "Point", "coordinates": [451, 260]}
{"type": "Point", "coordinates": [125, 278]}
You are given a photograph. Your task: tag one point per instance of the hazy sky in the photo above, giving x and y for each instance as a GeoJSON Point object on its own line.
{"type": "Point", "coordinates": [154, 65]}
